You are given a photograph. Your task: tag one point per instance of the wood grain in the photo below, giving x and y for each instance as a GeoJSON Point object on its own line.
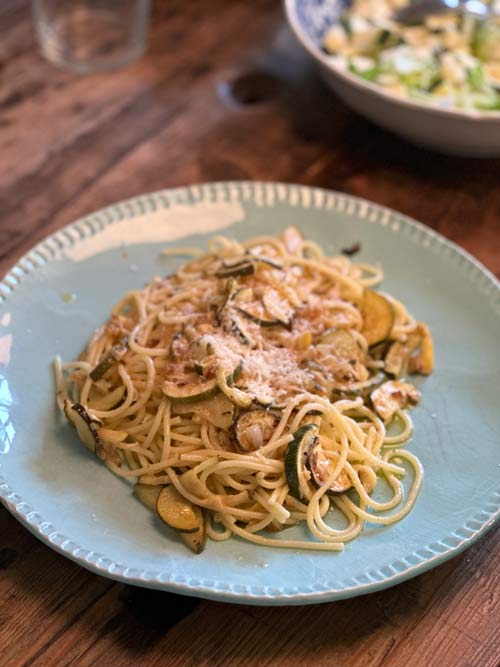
{"type": "Point", "coordinates": [223, 93]}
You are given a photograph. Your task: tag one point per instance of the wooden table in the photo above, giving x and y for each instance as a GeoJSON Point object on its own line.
{"type": "Point", "coordinates": [223, 93]}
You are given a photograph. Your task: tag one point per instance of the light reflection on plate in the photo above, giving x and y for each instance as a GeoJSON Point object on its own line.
{"type": "Point", "coordinates": [7, 431]}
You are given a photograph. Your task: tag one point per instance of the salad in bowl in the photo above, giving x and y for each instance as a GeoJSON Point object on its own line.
{"type": "Point", "coordinates": [450, 59]}
{"type": "Point", "coordinates": [435, 83]}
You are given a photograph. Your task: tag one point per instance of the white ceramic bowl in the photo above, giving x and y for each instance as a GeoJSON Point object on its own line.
{"type": "Point", "coordinates": [452, 131]}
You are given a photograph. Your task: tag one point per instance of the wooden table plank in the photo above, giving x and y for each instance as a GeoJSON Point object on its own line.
{"type": "Point", "coordinates": [224, 93]}
{"type": "Point", "coordinates": [446, 616]}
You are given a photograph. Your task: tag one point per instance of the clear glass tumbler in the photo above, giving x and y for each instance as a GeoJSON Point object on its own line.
{"type": "Point", "coordinates": [92, 35]}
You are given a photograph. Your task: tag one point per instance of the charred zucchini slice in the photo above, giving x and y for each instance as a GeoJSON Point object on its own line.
{"type": "Point", "coordinates": [295, 457]}
{"type": "Point", "coordinates": [86, 426]}
{"type": "Point", "coordinates": [109, 360]}
{"type": "Point", "coordinates": [148, 494]}
{"type": "Point", "coordinates": [230, 316]}
{"type": "Point", "coordinates": [321, 467]}
{"type": "Point", "coordinates": [184, 517]}
{"type": "Point", "coordinates": [378, 317]}
{"type": "Point", "coordinates": [252, 430]}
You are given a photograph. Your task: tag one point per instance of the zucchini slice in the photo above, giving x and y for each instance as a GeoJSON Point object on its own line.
{"type": "Point", "coordinates": [218, 410]}
{"type": "Point", "coordinates": [228, 314]}
{"type": "Point", "coordinates": [195, 541]}
{"type": "Point", "coordinates": [234, 394]}
{"type": "Point", "coordinates": [379, 351]}
{"type": "Point", "coordinates": [398, 356]}
{"type": "Point", "coordinates": [363, 392]}
{"type": "Point", "coordinates": [277, 307]}
{"type": "Point", "coordinates": [244, 267]}
{"type": "Point", "coordinates": [234, 375]}
{"type": "Point", "coordinates": [86, 426]}
{"type": "Point", "coordinates": [321, 467]}
{"type": "Point", "coordinates": [343, 343]}
{"type": "Point", "coordinates": [256, 313]}
{"type": "Point", "coordinates": [196, 392]}
{"type": "Point", "coordinates": [237, 326]}
{"type": "Point", "coordinates": [266, 260]}
{"type": "Point", "coordinates": [148, 494]}
{"type": "Point", "coordinates": [114, 355]}
{"type": "Point", "coordinates": [378, 317]}
{"type": "Point", "coordinates": [252, 430]}
{"type": "Point", "coordinates": [272, 311]}
{"type": "Point", "coordinates": [295, 457]}
{"type": "Point", "coordinates": [184, 517]}
{"type": "Point", "coordinates": [232, 321]}
{"type": "Point", "coordinates": [191, 392]}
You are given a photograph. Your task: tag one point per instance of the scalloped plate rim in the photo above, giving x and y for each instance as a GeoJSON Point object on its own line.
{"type": "Point", "coordinates": [210, 589]}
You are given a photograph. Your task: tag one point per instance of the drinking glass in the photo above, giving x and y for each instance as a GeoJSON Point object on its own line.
{"type": "Point", "coordinates": [92, 35]}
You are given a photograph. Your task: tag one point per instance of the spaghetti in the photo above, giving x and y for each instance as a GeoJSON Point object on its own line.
{"type": "Point", "coordinates": [251, 391]}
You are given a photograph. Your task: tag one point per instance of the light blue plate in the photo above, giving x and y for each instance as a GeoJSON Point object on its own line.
{"type": "Point", "coordinates": [71, 502]}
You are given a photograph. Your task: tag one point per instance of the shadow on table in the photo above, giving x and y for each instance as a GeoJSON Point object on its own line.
{"type": "Point", "coordinates": [85, 619]}
{"type": "Point", "coordinates": [184, 631]}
